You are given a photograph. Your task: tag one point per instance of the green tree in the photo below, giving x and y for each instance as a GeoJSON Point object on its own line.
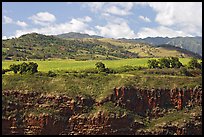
{"type": "Point", "coordinates": [100, 67]}
{"type": "Point", "coordinates": [24, 67]}
{"type": "Point", "coordinates": [32, 67]}
{"type": "Point", "coordinates": [193, 63]}
{"type": "Point", "coordinates": [164, 63]}
{"type": "Point", "coordinates": [15, 68]}
{"type": "Point", "coordinates": [153, 63]}
{"type": "Point", "coordinates": [175, 63]}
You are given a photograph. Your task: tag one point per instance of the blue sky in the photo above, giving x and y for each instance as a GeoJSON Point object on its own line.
{"type": "Point", "coordinates": [110, 19]}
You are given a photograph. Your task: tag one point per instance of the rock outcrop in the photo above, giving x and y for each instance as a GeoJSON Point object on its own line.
{"type": "Point", "coordinates": [33, 113]}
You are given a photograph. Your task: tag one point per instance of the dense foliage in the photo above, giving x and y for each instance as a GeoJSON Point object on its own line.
{"type": "Point", "coordinates": [170, 62]}
{"type": "Point", "coordinates": [193, 63]}
{"type": "Point", "coordinates": [30, 68]}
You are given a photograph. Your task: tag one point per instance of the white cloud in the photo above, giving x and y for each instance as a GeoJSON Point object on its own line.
{"type": "Point", "coordinates": [21, 23]}
{"type": "Point", "coordinates": [43, 18]}
{"type": "Point", "coordinates": [74, 25]}
{"type": "Point", "coordinates": [85, 19]}
{"type": "Point", "coordinates": [146, 19]}
{"type": "Point", "coordinates": [161, 31]}
{"type": "Point", "coordinates": [116, 30]}
{"type": "Point", "coordinates": [184, 15]}
{"type": "Point", "coordinates": [116, 11]}
{"type": "Point", "coordinates": [4, 37]}
{"type": "Point", "coordinates": [95, 6]}
{"type": "Point", "coordinates": [113, 8]}
{"type": "Point", "coordinates": [7, 20]}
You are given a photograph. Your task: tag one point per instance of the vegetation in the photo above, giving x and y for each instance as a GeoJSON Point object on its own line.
{"type": "Point", "coordinates": [37, 46]}
{"type": "Point", "coordinates": [30, 67]}
{"type": "Point", "coordinates": [193, 63]}
{"type": "Point", "coordinates": [193, 44]}
{"type": "Point", "coordinates": [153, 63]}
{"type": "Point", "coordinates": [91, 67]}
{"type": "Point", "coordinates": [171, 62]}
{"type": "Point", "coordinates": [51, 74]}
{"type": "Point", "coordinates": [72, 65]}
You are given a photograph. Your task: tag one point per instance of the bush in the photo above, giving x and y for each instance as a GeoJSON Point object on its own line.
{"type": "Point", "coordinates": [175, 63]}
{"type": "Point", "coordinates": [193, 63]}
{"type": "Point", "coordinates": [5, 70]}
{"type": "Point", "coordinates": [171, 62]}
{"type": "Point", "coordinates": [184, 71]}
{"type": "Point", "coordinates": [15, 68]}
{"type": "Point", "coordinates": [153, 63]}
{"type": "Point", "coordinates": [51, 74]}
{"type": "Point", "coordinates": [100, 66]}
{"type": "Point", "coordinates": [30, 67]}
{"type": "Point", "coordinates": [164, 63]}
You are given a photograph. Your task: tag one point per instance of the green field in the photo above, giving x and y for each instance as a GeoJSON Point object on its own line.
{"type": "Point", "coordinates": [82, 65]}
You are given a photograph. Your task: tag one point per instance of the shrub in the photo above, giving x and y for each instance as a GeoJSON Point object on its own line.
{"type": "Point", "coordinates": [51, 74]}
{"type": "Point", "coordinates": [184, 71]}
{"type": "Point", "coordinates": [5, 70]}
{"type": "Point", "coordinates": [15, 68]}
{"type": "Point", "coordinates": [30, 67]}
{"type": "Point", "coordinates": [171, 62]}
{"type": "Point", "coordinates": [193, 63]}
{"type": "Point", "coordinates": [153, 63]}
{"type": "Point", "coordinates": [164, 63]}
{"type": "Point", "coordinates": [175, 63]}
{"type": "Point", "coordinates": [100, 66]}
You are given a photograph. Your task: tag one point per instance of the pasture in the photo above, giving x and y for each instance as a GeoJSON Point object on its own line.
{"type": "Point", "coordinates": [71, 65]}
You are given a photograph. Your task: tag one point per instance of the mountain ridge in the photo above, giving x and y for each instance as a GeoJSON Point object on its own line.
{"type": "Point", "coordinates": [193, 44]}
{"type": "Point", "coordinates": [39, 46]}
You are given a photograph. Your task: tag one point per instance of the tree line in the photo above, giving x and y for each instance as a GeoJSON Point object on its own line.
{"type": "Point", "coordinates": [173, 62]}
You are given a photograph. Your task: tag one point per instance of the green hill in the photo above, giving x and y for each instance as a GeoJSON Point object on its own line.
{"type": "Point", "coordinates": [77, 35]}
{"type": "Point", "coordinates": [38, 46]}
{"type": "Point", "coordinates": [193, 44]}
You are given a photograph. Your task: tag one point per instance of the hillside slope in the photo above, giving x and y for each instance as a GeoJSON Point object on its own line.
{"type": "Point", "coordinates": [193, 44]}
{"type": "Point", "coordinates": [38, 46]}
{"type": "Point", "coordinates": [77, 35]}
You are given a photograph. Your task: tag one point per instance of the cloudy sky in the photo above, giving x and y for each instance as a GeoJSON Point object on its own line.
{"type": "Point", "coordinates": [109, 19]}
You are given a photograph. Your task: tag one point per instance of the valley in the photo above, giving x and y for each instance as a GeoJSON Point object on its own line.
{"type": "Point", "coordinates": [99, 86]}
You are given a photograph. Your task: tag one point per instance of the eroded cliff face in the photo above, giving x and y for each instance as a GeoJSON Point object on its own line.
{"type": "Point", "coordinates": [33, 113]}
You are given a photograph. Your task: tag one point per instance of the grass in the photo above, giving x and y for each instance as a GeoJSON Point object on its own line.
{"type": "Point", "coordinates": [97, 86]}
{"type": "Point", "coordinates": [178, 116]}
{"type": "Point", "coordinates": [73, 65]}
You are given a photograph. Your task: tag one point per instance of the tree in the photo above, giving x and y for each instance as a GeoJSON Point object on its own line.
{"type": "Point", "coordinates": [193, 63]}
{"type": "Point", "coordinates": [175, 63]}
{"type": "Point", "coordinates": [15, 68]}
{"type": "Point", "coordinates": [32, 67]}
{"type": "Point", "coordinates": [100, 67]}
{"type": "Point", "coordinates": [23, 68]}
{"type": "Point", "coordinates": [164, 63]}
{"type": "Point", "coordinates": [153, 63]}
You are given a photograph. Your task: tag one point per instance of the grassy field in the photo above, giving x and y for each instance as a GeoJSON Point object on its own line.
{"type": "Point", "coordinates": [82, 65]}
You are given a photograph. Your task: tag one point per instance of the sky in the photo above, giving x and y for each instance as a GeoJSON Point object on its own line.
{"type": "Point", "coordinates": [107, 19]}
